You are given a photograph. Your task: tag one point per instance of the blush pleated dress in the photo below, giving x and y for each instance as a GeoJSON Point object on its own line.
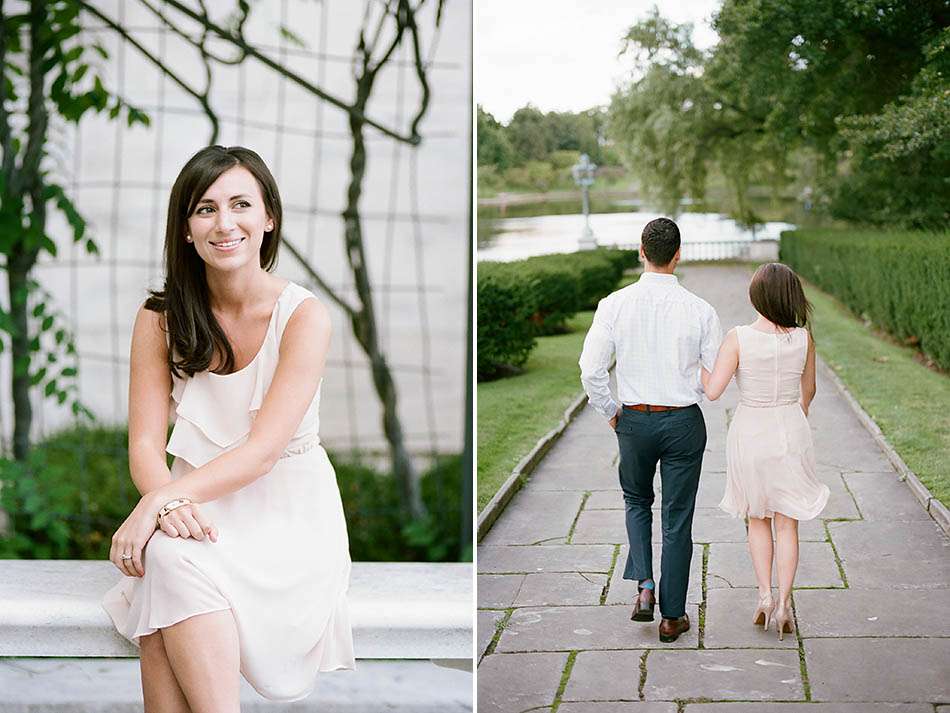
{"type": "Point", "coordinates": [770, 457]}
{"type": "Point", "coordinates": [281, 563]}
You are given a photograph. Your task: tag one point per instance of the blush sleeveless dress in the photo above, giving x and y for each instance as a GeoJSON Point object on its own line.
{"type": "Point", "coordinates": [770, 458]}
{"type": "Point", "coordinates": [281, 563]}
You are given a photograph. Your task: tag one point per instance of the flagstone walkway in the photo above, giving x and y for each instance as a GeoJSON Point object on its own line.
{"type": "Point", "coordinates": [871, 601]}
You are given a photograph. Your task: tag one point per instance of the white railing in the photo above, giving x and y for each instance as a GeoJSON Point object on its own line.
{"type": "Point", "coordinates": [712, 250]}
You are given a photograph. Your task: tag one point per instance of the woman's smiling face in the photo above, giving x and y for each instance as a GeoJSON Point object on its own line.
{"type": "Point", "coordinates": [228, 223]}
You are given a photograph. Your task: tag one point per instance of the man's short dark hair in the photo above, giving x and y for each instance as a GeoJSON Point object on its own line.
{"type": "Point", "coordinates": [660, 241]}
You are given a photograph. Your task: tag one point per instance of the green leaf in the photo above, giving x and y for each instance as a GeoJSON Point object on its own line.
{"type": "Point", "coordinates": [39, 309]}
{"type": "Point", "coordinates": [71, 31]}
{"type": "Point", "coordinates": [50, 387]}
{"type": "Point", "coordinates": [60, 335]}
{"type": "Point", "coordinates": [38, 376]}
{"type": "Point", "coordinates": [47, 323]}
{"type": "Point", "coordinates": [140, 117]}
{"type": "Point", "coordinates": [79, 73]}
{"type": "Point", "coordinates": [68, 371]}
{"type": "Point", "coordinates": [73, 54]}
{"type": "Point", "coordinates": [48, 244]}
{"type": "Point", "coordinates": [56, 91]}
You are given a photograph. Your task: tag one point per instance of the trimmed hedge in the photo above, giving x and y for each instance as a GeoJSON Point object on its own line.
{"type": "Point", "coordinates": [505, 332]}
{"type": "Point", "coordinates": [596, 273]}
{"type": "Point", "coordinates": [520, 300]}
{"type": "Point", "coordinates": [897, 279]}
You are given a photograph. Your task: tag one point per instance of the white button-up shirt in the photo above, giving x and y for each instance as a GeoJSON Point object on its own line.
{"type": "Point", "coordinates": [660, 333]}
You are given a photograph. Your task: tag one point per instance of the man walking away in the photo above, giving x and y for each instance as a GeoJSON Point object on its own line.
{"type": "Point", "coordinates": [660, 333]}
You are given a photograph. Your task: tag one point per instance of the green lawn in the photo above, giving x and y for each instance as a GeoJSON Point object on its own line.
{"type": "Point", "coordinates": [909, 402]}
{"type": "Point", "coordinates": [514, 413]}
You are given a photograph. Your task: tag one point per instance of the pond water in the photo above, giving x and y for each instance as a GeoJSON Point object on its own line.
{"type": "Point", "coordinates": [505, 239]}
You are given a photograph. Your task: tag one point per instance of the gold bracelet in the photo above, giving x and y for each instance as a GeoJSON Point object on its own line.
{"type": "Point", "coordinates": [171, 505]}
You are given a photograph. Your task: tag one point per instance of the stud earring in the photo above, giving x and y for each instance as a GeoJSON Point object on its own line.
{"type": "Point", "coordinates": [188, 238]}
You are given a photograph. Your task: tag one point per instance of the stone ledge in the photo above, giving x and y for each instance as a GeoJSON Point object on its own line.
{"type": "Point", "coordinates": [94, 685]}
{"type": "Point", "coordinates": [398, 610]}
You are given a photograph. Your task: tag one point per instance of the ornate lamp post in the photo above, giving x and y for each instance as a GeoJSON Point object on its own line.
{"type": "Point", "coordinates": [583, 173]}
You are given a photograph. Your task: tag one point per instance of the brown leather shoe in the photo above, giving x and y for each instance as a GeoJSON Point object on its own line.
{"type": "Point", "coordinates": [670, 629]}
{"type": "Point", "coordinates": [643, 606]}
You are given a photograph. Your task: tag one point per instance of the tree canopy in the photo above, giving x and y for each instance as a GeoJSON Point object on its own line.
{"type": "Point", "coordinates": [533, 135]}
{"type": "Point", "coordinates": [535, 149]}
{"type": "Point", "coordinates": [849, 97]}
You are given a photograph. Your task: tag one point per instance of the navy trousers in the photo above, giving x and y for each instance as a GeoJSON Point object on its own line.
{"type": "Point", "coordinates": [676, 439]}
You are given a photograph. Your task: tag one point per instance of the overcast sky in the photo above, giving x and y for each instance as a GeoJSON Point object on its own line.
{"type": "Point", "coordinates": [561, 55]}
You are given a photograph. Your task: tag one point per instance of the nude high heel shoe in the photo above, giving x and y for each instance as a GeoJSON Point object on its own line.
{"type": "Point", "coordinates": [764, 611]}
{"type": "Point", "coordinates": [784, 622]}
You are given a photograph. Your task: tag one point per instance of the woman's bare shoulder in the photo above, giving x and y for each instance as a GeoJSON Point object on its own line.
{"type": "Point", "coordinates": [150, 325]}
{"type": "Point", "coordinates": [309, 316]}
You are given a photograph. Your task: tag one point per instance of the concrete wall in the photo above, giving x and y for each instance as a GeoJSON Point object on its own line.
{"type": "Point", "coordinates": [415, 207]}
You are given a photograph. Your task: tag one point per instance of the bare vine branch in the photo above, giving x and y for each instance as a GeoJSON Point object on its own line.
{"type": "Point", "coordinates": [321, 283]}
{"type": "Point", "coordinates": [201, 97]}
{"type": "Point", "coordinates": [199, 44]}
{"type": "Point", "coordinates": [237, 38]}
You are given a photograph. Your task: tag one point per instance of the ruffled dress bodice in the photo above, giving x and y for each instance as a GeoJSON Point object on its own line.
{"type": "Point", "coordinates": [214, 412]}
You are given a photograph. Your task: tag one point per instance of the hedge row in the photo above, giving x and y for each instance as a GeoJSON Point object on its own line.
{"type": "Point", "coordinates": [899, 280]}
{"type": "Point", "coordinates": [520, 300]}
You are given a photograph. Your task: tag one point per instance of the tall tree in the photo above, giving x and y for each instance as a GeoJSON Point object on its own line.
{"type": "Point", "coordinates": [494, 148]}
{"type": "Point", "coordinates": [530, 134]}
{"type": "Point", "coordinates": [783, 78]}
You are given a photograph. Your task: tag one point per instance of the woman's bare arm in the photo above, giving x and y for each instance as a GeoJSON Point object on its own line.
{"type": "Point", "coordinates": [303, 351]}
{"type": "Point", "coordinates": [149, 389]}
{"type": "Point", "coordinates": [809, 387]}
{"type": "Point", "coordinates": [727, 361]}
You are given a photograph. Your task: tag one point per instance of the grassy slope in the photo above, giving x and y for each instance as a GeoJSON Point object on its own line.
{"type": "Point", "coordinates": [909, 402]}
{"type": "Point", "coordinates": [514, 413]}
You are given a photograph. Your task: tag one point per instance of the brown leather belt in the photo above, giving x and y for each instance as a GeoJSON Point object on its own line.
{"type": "Point", "coordinates": [650, 407]}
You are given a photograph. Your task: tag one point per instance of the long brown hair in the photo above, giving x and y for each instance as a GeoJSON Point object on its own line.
{"type": "Point", "coordinates": [194, 333]}
{"type": "Point", "coordinates": [777, 294]}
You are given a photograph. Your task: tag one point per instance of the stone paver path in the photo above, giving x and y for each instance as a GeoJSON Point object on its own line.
{"type": "Point", "coordinates": [872, 596]}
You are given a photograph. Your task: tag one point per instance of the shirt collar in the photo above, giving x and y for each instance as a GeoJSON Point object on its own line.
{"type": "Point", "coordinates": [659, 278]}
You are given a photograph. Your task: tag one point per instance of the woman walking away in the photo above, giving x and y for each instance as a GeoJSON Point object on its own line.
{"type": "Point", "coordinates": [770, 459]}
